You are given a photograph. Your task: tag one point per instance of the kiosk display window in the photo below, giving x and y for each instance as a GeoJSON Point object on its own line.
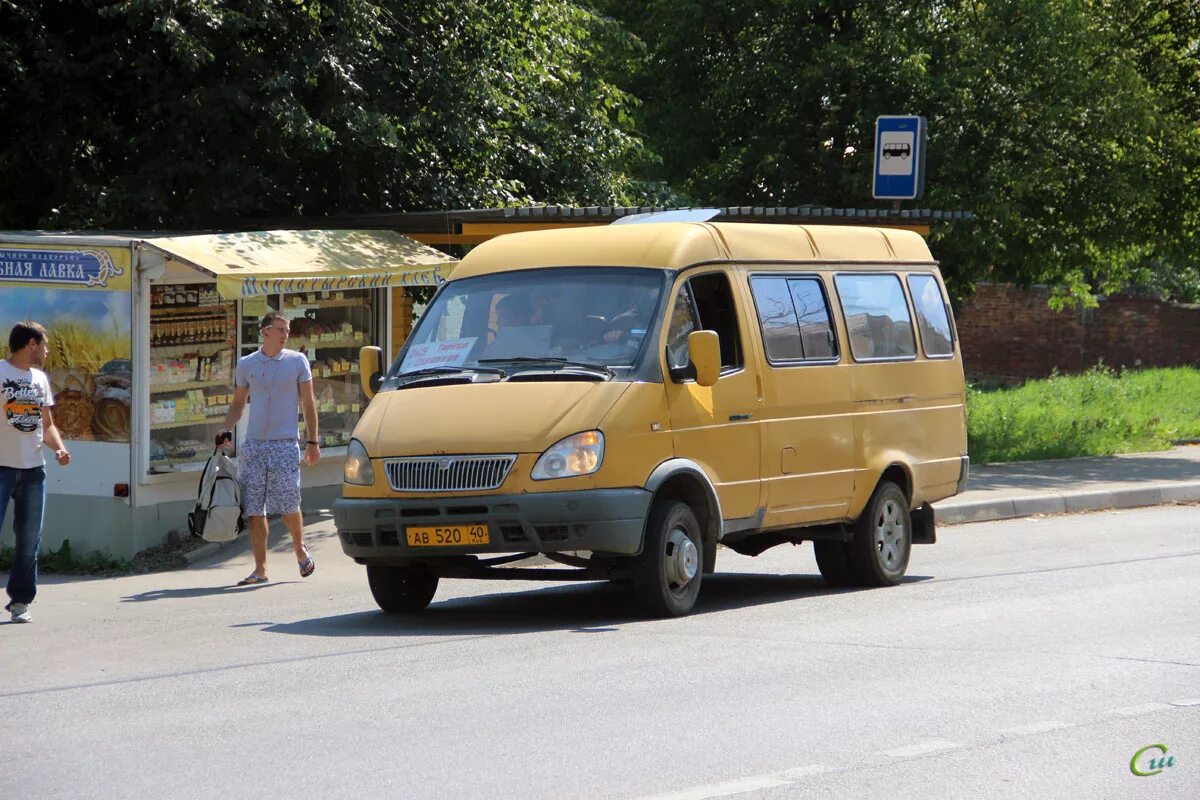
{"type": "Point", "coordinates": [192, 351]}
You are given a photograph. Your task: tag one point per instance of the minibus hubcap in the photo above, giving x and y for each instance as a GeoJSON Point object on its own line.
{"type": "Point", "coordinates": [683, 559]}
{"type": "Point", "coordinates": [889, 534]}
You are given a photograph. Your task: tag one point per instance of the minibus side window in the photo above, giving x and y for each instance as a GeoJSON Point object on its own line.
{"type": "Point", "coordinates": [704, 303]}
{"type": "Point", "coordinates": [794, 317]}
{"type": "Point", "coordinates": [933, 320]}
{"type": "Point", "coordinates": [812, 310]}
{"type": "Point", "coordinates": [777, 318]}
{"type": "Point", "coordinates": [683, 322]}
{"type": "Point", "coordinates": [877, 317]}
{"type": "Point", "coordinates": [718, 312]}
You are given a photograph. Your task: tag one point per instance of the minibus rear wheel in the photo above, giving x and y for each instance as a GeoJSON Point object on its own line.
{"type": "Point", "coordinates": [667, 574]}
{"type": "Point", "coordinates": [878, 553]}
{"type": "Point", "coordinates": [401, 590]}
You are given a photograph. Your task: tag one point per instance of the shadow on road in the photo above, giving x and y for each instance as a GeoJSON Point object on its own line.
{"type": "Point", "coordinates": [581, 608]}
{"type": "Point", "coordinates": [197, 591]}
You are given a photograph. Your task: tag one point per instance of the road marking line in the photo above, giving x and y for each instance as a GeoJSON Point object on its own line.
{"type": "Point", "coordinates": [802, 772]}
{"type": "Point", "coordinates": [724, 789]}
{"type": "Point", "coordinates": [1137, 711]}
{"type": "Point", "coordinates": [922, 748]}
{"type": "Point", "coordinates": [1036, 727]}
{"type": "Point", "coordinates": [1194, 701]}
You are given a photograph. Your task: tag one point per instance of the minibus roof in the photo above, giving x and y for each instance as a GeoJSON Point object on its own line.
{"type": "Point", "coordinates": [675, 245]}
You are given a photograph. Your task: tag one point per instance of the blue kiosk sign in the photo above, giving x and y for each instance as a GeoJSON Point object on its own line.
{"type": "Point", "coordinates": [899, 158]}
{"type": "Point", "coordinates": [82, 268]}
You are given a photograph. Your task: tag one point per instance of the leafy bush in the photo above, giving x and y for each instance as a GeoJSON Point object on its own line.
{"type": "Point", "coordinates": [1100, 412]}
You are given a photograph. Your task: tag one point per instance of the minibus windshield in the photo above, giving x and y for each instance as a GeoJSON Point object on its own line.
{"type": "Point", "coordinates": [555, 318]}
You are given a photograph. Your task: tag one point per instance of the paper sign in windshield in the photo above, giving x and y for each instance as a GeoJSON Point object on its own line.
{"type": "Point", "coordinates": [450, 353]}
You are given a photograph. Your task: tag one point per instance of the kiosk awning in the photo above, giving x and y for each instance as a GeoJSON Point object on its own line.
{"type": "Point", "coordinates": [258, 263]}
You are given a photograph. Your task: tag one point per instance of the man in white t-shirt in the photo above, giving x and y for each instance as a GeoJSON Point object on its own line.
{"type": "Point", "coordinates": [27, 423]}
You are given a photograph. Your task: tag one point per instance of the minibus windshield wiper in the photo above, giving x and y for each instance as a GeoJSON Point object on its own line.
{"type": "Point", "coordinates": [417, 373]}
{"type": "Point", "coordinates": [552, 362]}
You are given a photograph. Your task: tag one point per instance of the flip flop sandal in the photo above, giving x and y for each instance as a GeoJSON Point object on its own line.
{"type": "Point", "coordinates": [307, 567]}
{"type": "Point", "coordinates": [251, 580]}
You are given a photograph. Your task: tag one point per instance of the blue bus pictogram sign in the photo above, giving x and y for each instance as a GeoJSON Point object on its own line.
{"type": "Point", "coordinates": [899, 158]}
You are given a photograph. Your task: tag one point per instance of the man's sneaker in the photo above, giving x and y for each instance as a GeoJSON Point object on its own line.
{"type": "Point", "coordinates": [20, 612]}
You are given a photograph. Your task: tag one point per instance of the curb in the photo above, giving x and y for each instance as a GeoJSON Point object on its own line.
{"type": "Point", "coordinates": [1066, 502]}
{"type": "Point", "coordinates": [192, 556]}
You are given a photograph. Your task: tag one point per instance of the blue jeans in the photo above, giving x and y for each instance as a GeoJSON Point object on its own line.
{"type": "Point", "coordinates": [27, 489]}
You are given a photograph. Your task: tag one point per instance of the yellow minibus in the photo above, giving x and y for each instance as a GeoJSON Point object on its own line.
{"type": "Point", "coordinates": [624, 399]}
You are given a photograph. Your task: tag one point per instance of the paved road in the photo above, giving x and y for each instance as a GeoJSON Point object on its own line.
{"type": "Point", "coordinates": [1027, 658]}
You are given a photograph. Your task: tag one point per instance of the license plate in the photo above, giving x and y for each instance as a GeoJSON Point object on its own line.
{"type": "Point", "coordinates": [447, 535]}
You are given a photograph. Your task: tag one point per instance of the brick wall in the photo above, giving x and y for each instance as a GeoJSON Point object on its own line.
{"type": "Point", "coordinates": [1010, 334]}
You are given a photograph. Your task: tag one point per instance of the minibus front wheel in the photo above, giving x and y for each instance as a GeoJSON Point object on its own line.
{"type": "Point", "coordinates": [667, 574]}
{"type": "Point", "coordinates": [401, 590]}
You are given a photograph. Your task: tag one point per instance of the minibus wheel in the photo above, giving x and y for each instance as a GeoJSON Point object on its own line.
{"type": "Point", "coordinates": [667, 574]}
{"type": "Point", "coordinates": [832, 561]}
{"type": "Point", "coordinates": [878, 553]}
{"type": "Point", "coordinates": [400, 590]}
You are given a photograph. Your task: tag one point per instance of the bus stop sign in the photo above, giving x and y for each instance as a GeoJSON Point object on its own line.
{"type": "Point", "coordinates": [899, 158]}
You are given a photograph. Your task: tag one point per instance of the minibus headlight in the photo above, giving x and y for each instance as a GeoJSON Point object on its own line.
{"type": "Point", "coordinates": [576, 455]}
{"type": "Point", "coordinates": [357, 469]}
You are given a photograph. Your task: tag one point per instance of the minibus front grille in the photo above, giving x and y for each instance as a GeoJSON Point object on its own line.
{"type": "Point", "coordinates": [448, 473]}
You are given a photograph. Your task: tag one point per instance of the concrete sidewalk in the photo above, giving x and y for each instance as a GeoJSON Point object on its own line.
{"type": "Point", "coordinates": [1006, 491]}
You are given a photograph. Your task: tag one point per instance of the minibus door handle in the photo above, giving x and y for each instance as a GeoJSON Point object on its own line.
{"type": "Point", "coordinates": [739, 417]}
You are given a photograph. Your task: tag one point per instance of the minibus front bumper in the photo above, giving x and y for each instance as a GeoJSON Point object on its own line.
{"type": "Point", "coordinates": [598, 520]}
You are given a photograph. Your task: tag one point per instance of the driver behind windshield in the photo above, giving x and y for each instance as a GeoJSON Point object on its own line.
{"type": "Point", "coordinates": [593, 314]}
{"type": "Point", "coordinates": [513, 310]}
{"type": "Point", "coordinates": [635, 315]}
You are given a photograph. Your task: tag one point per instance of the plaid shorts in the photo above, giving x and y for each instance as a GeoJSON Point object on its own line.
{"type": "Point", "coordinates": [269, 472]}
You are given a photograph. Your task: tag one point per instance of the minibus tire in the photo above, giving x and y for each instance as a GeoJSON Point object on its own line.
{"type": "Point", "coordinates": [831, 560]}
{"type": "Point", "coordinates": [401, 590]}
{"type": "Point", "coordinates": [876, 561]}
{"type": "Point", "coordinates": [653, 589]}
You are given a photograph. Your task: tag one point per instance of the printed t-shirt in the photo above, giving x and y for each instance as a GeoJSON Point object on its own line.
{"type": "Point", "coordinates": [24, 392]}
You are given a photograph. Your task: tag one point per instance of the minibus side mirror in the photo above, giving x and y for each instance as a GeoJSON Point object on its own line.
{"type": "Point", "coordinates": [704, 350]}
{"type": "Point", "coordinates": [369, 373]}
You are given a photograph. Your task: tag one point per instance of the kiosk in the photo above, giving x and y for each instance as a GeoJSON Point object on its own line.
{"type": "Point", "coordinates": [145, 330]}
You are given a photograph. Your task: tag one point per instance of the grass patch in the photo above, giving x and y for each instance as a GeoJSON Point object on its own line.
{"type": "Point", "coordinates": [65, 561]}
{"type": "Point", "coordinates": [1099, 413]}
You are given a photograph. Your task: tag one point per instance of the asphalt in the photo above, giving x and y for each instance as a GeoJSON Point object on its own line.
{"type": "Point", "coordinates": [1009, 491]}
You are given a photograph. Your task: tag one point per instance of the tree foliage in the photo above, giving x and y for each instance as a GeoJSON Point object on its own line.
{"type": "Point", "coordinates": [140, 113]}
{"type": "Point", "coordinates": [1070, 127]}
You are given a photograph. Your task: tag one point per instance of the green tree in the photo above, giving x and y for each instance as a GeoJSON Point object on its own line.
{"type": "Point", "coordinates": [194, 113]}
{"type": "Point", "coordinates": [1067, 126]}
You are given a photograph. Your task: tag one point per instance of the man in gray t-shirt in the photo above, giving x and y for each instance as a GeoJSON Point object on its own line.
{"type": "Point", "coordinates": [274, 380]}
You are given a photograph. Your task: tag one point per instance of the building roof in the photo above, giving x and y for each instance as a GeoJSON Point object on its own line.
{"type": "Point", "coordinates": [476, 225]}
{"type": "Point", "coordinates": [675, 245]}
